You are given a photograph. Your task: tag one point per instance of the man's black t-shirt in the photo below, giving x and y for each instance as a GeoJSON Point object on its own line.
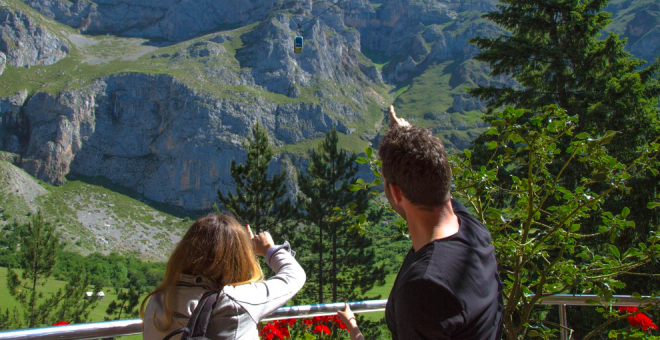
{"type": "Point", "coordinates": [450, 288]}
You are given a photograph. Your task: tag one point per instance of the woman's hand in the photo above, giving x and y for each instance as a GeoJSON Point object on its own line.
{"type": "Point", "coordinates": [348, 318]}
{"type": "Point", "coordinates": [261, 242]}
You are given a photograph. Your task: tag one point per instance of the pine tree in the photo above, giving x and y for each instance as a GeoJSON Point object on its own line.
{"type": "Point", "coordinates": [125, 305]}
{"type": "Point", "coordinates": [555, 54]}
{"type": "Point", "coordinates": [10, 320]}
{"type": "Point", "coordinates": [39, 245]}
{"type": "Point", "coordinates": [342, 259]}
{"type": "Point", "coordinates": [258, 201]}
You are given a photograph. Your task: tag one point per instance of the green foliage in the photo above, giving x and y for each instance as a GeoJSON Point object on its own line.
{"type": "Point", "coordinates": [9, 244]}
{"type": "Point", "coordinates": [126, 304]}
{"type": "Point", "coordinates": [390, 217]}
{"type": "Point", "coordinates": [336, 259]}
{"type": "Point", "coordinates": [558, 54]}
{"type": "Point", "coordinates": [520, 193]}
{"type": "Point", "coordinates": [10, 320]}
{"type": "Point", "coordinates": [37, 257]}
{"type": "Point", "coordinates": [258, 201]}
{"type": "Point", "coordinates": [114, 270]}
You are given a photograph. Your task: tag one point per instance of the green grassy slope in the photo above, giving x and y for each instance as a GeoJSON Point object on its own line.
{"type": "Point", "coordinates": [428, 100]}
{"type": "Point", "coordinates": [85, 209]}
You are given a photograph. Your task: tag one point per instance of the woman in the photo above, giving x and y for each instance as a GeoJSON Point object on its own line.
{"type": "Point", "coordinates": [217, 254]}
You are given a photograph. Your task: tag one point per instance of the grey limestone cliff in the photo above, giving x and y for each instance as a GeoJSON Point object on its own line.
{"type": "Point", "coordinates": [171, 20]}
{"type": "Point", "coordinates": [27, 43]}
{"type": "Point", "coordinates": [150, 133]}
{"type": "Point", "coordinates": [415, 34]}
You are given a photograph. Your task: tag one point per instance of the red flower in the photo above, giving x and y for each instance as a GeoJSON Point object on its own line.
{"type": "Point", "coordinates": [285, 332]}
{"type": "Point", "coordinates": [273, 331]}
{"type": "Point", "coordinates": [638, 320]}
{"type": "Point", "coordinates": [321, 329]}
{"type": "Point", "coordinates": [628, 309]}
{"type": "Point", "coordinates": [308, 321]}
{"type": "Point", "coordinates": [61, 323]}
{"type": "Point", "coordinates": [642, 321]}
{"type": "Point", "coordinates": [317, 319]}
{"type": "Point", "coordinates": [337, 321]}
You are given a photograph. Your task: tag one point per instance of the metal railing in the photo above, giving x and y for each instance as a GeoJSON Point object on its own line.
{"type": "Point", "coordinates": [134, 326]}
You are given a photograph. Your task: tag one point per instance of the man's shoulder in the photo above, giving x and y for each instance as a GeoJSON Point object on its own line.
{"type": "Point", "coordinates": [461, 211]}
{"type": "Point", "coordinates": [424, 277]}
{"type": "Point", "coordinates": [471, 228]}
{"type": "Point", "coordinates": [428, 290]}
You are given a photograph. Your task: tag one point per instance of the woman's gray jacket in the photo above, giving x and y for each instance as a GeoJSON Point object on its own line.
{"type": "Point", "coordinates": [239, 308]}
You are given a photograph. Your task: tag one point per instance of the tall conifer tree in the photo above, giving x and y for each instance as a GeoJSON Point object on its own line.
{"type": "Point", "coordinates": [258, 200]}
{"type": "Point", "coordinates": [556, 54]}
{"type": "Point", "coordinates": [37, 257]}
{"type": "Point", "coordinates": [341, 261]}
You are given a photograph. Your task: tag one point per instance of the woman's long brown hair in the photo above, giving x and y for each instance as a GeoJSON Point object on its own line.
{"type": "Point", "coordinates": [215, 246]}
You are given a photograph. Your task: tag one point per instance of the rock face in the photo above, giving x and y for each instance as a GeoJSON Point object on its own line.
{"type": "Point", "coordinates": [172, 142]}
{"type": "Point", "coordinates": [641, 23]}
{"type": "Point", "coordinates": [644, 33]}
{"type": "Point", "coordinates": [416, 34]}
{"type": "Point", "coordinates": [12, 123]}
{"type": "Point", "coordinates": [153, 134]}
{"type": "Point", "coordinates": [172, 20]}
{"type": "Point", "coordinates": [27, 43]}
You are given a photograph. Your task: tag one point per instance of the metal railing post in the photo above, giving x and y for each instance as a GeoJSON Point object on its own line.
{"type": "Point", "coordinates": [563, 320]}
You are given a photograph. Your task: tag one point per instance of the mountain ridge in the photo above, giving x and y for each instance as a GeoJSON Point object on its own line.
{"type": "Point", "coordinates": [163, 108]}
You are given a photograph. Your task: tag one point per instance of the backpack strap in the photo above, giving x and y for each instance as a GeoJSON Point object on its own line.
{"type": "Point", "coordinates": [184, 330]}
{"type": "Point", "coordinates": [199, 320]}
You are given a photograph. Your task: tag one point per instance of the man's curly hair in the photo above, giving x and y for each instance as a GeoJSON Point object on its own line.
{"type": "Point", "coordinates": [416, 161]}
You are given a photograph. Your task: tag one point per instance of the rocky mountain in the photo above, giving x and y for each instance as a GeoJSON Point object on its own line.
{"type": "Point", "coordinates": [639, 22]}
{"type": "Point", "coordinates": [26, 43]}
{"type": "Point", "coordinates": [156, 96]}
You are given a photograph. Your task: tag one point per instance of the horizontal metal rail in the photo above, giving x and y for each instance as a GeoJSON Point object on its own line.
{"type": "Point", "coordinates": [107, 329]}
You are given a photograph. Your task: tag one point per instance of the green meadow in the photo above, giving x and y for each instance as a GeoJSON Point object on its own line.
{"type": "Point", "coordinates": [51, 286]}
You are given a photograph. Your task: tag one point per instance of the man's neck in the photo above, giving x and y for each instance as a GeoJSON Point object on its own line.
{"type": "Point", "coordinates": [426, 226]}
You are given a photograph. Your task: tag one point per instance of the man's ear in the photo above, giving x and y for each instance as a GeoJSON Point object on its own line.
{"type": "Point", "coordinates": [397, 195]}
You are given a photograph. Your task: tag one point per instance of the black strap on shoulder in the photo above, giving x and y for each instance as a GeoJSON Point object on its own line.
{"type": "Point", "coordinates": [199, 320]}
{"type": "Point", "coordinates": [184, 330]}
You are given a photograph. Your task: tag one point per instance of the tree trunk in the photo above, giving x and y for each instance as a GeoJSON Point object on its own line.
{"type": "Point", "coordinates": [35, 268]}
{"type": "Point", "coordinates": [320, 263]}
{"type": "Point", "coordinates": [334, 262]}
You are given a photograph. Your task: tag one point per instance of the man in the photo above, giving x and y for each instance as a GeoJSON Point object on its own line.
{"type": "Point", "coordinates": [448, 286]}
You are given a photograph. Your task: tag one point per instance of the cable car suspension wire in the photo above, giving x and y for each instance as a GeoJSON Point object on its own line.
{"type": "Point", "coordinates": [302, 32]}
{"type": "Point", "coordinates": [298, 40]}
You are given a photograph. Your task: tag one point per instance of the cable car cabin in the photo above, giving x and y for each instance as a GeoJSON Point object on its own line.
{"type": "Point", "coordinates": [298, 44]}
